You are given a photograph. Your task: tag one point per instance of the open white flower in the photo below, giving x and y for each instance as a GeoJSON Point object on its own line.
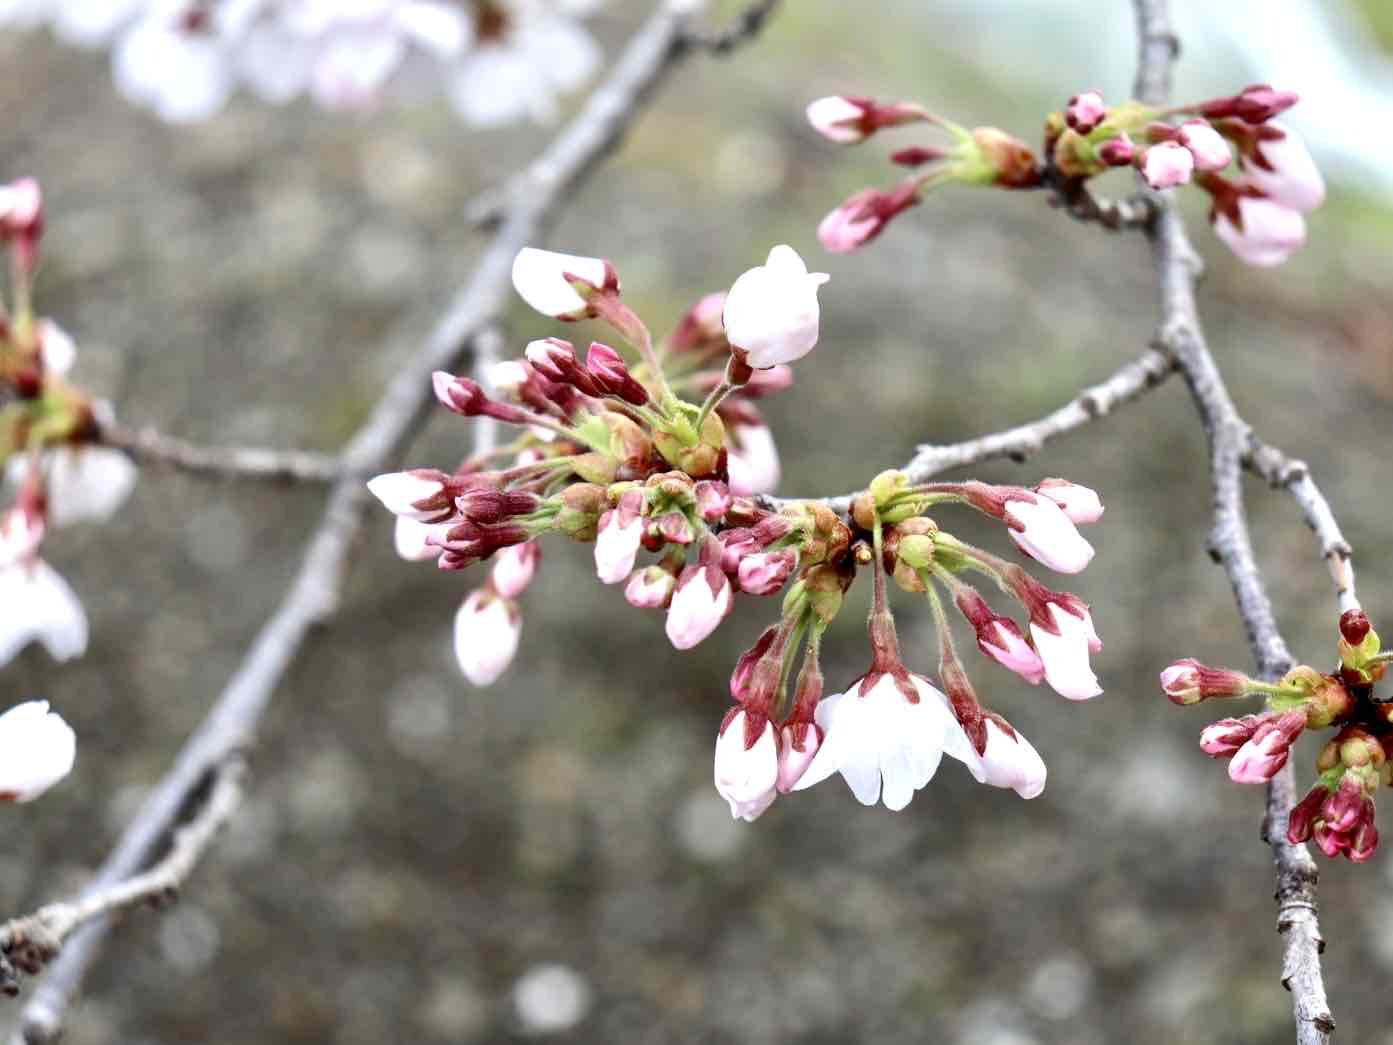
{"type": "Point", "coordinates": [83, 483]}
{"type": "Point", "coordinates": [37, 749]}
{"type": "Point", "coordinates": [884, 746]}
{"type": "Point", "coordinates": [36, 605]}
{"type": "Point", "coordinates": [771, 312]}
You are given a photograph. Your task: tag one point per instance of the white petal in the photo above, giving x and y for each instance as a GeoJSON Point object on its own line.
{"type": "Point", "coordinates": [91, 23]}
{"type": "Point", "coordinates": [37, 749]}
{"type": "Point", "coordinates": [36, 604]}
{"type": "Point", "coordinates": [184, 77]}
{"type": "Point", "coordinates": [84, 483]}
{"type": "Point", "coordinates": [59, 350]}
{"type": "Point", "coordinates": [539, 277]}
{"type": "Point", "coordinates": [486, 637]}
{"type": "Point", "coordinates": [274, 64]}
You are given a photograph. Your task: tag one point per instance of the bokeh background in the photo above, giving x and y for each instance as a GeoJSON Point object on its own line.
{"type": "Point", "coordinates": [421, 861]}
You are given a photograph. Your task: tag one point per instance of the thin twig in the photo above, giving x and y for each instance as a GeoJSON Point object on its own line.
{"type": "Point", "coordinates": [650, 57]}
{"type": "Point", "coordinates": [1231, 443]}
{"type": "Point", "coordinates": [31, 941]}
{"type": "Point", "coordinates": [1129, 382]}
{"type": "Point", "coordinates": [149, 446]}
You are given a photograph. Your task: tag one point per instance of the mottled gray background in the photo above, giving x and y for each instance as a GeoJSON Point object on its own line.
{"type": "Point", "coordinates": [412, 847]}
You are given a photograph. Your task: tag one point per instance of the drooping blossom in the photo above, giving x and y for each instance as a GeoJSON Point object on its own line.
{"type": "Point", "coordinates": [771, 311]}
{"type": "Point", "coordinates": [701, 601]}
{"type": "Point", "coordinates": [37, 749]}
{"type": "Point", "coordinates": [1282, 167]}
{"type": "Point", "coordinates": [514, 567]}
{"type": "Point", "coordinates": [37, 605]}
{"type": "Point", "coordinates": [82, 483]}
{"type": "Point", "coordinates": [1043, 531]}
{"type": "Point", "coordinates": [885, 746]}
{"type": "Point", "coordinates": [798, 746]}
{"type": "Point", "coordinates": [650, 588]}
{"type": "Point", "coordinates": [617, 542]}
{"type": "Point", "coordinates": [1262, 232]}
{"type": "Point", "coordinates": [1065, 649]}
{"type": "Point", "coordinates": [747, 764]}
{"type": "Point", "coordinates": [1009, 760]}
{"type": "Point", "coordinates": [487, 630]}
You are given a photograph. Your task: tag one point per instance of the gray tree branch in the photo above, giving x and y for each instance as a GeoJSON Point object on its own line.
{"type": "Point", "coordinates": [650, 57]}
{"type": "Point", "coordinates": [1231, 444]}
{"type": "Point", "coordinates": [149, 446]}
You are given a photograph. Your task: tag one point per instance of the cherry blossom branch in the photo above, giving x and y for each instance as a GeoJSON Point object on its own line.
{"type": "Point", "coordinates": [652, 54]}
{"type": "Point", "coordinates": [1231, 443]}
{"type": "Point", "coordinates": [152, 447]}
{"type": "Point", "coordinates": [29, 942]}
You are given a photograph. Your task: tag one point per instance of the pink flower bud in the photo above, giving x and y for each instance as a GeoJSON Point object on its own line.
{"type": "Point", "coordinates": [1085, 111]}
{"type": "Point", "coordinates": [515, 567]}
{"type": "Point", "coordinates": [1255, 104]}
{"type": "Point", "coordinates": [1354, 625]}
{"type": "Point", "coordinates": [864, 216]}
{"type": "Point", "coordinates": [487, 629]}
{"type": "Point", "coordinates": [1260, 231]}
{"type": "Point", "coordinates": [1283, 168]}
{"type": "Point", "coordinates": [1303, 817]}
{"type": "Point", "coordinates": [1189, 682]}
{"type": "Point", "coordinates": [1118, 152]}
{"type": "Point", "coordinates": [700, 327]}
{"type": "Point", "coordinates": [741, 679]}
{"type": "Point", "coordinates": [611, 375]}
{"type": "Point", "coordinates": [1267, 750]}
{"type": "Point", "coordinates": [746, 767]}
{"type": "Point", "coordinates": [848, 120]}
{"type": "Point", "coordinates": [21, 210]}
{"type": "Point", "coordinates": [771, 312]}
{"type": "Point", "coordinates": [1223, 738]}
{"type": "Point", "coordinates": [650, 588]}
{"type": "Point", "coordinates": [1208, 147]}
{"type": "Point", "coordinates": [1167, 164]}
{"type": "Point", "coordinates": [1081, 504]}
{"type": "Point", "coordinates": [553, 358]}
{"type": "Point", "coordinates": [37, 749]}
{"type": "Point", "coordinates": [765, 573]}
{"type": "Point", "coordinates": [544, 280]}
{"type": "Point", "coordinates": [798, 744]}
{"type": "Point", "coordinates": [1043, 531]}
{"type": "Point", "coordinates": [421, 494]}
{"type": "Point", "coordinates": [917, 156]}
{"type": "Point", "coordinates": [461, 395]}
{"type": "Point", "coordinates": [701, 601]}
{"type": "Point", "coordinates": [999, 637]}
{"type": "Point", "coordinates": [713, 499]}
{"type": "Point", "coordinates": [675, 528]}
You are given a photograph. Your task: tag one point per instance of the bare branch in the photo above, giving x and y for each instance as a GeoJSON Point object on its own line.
{"type": "Point", "coordinates": [1128, 383]}
{"type": "Point", "coordinates": [652, 54]}
{"type": "Point", "coordinates": [1231, 444]}
{"type": "Point", "coordinates": [149, 446]}
{"type": "Point", "coordinates": [30, 942]}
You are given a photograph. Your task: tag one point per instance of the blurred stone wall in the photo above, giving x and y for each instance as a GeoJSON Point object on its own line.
{"type": "Point", "coordinates": [420, 861]}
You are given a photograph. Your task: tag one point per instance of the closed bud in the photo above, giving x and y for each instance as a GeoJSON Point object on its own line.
{"type": "Point", "coordinates": [1189, 682]}
{"type": "Point", "coordinates": [766, 572]}
{"type": "Point", "coordinates": [1354, 625]}
{"type": "Point", "coordinates": [611, 375]}
{"type": "Point", "coordinates": [650, 588]}
{"type": "Point", "coordinates": [1085, 111]}
{"type": "Point", "coordinates": [713, 500]}
{"type": "Point", "coordinates": [1167, 164]}
{"type": "Point", "coordinates": [1118, 152]}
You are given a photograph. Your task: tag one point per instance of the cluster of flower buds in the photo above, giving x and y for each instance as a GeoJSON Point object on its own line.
{"type": "Point", "coordinates": [46, 428]}
{"type": "Point", "coordinates": [982, 156]}
{"type": "Point", "coordinates": [1259, 214]}
{"type": "Point", "coordinates": [610, 452]}
{"type": "Point", "coordinates": [497, 60]}
{"type": "Point", "coordinates": [1338, 812]}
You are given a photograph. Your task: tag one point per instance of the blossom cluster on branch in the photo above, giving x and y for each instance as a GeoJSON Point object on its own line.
{"type": "Point", "coordinates": [1338, 812]}
{"type": "Point", "coordinates": [498, 61]}
{"type": "Point", "coordinates": [47, 426]}
{"type": "Point", "coordinates": [1259, 214]}
{"type": "Point", "coordinates": [610, 452]}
